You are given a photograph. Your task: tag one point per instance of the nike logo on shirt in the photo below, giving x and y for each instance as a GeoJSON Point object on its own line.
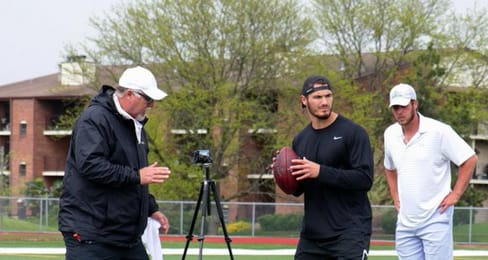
{"type": "Point", "coordinates": [337, 137]}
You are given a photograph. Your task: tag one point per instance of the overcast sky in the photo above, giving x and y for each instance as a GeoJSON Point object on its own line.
{"type": "Point", "coordinates": [34, 33]}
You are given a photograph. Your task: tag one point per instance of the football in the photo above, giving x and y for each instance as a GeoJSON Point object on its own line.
{"type": "Point", "coordinates": [281, 170]}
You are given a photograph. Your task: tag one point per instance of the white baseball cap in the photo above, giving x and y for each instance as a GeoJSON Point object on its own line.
{"type": "Point", "coordinates": [402, 94]}
{"type": "Point", "coordinates": [141, 79]}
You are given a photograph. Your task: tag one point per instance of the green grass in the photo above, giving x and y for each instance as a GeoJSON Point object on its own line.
{"type": "Point", "coordinates": [479, 234]}
{"type": "Point", "coordinates": [172, 244]}
{"type": "Point", "coordinates": [166, 257]}
{"type": "Point", "coordinates": [12, 224]}
{"type": "Point", "coordinates": [194, 257]}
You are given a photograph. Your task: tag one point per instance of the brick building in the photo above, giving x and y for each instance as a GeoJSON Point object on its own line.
{"type": "Point", "coordinates": [32, 145]}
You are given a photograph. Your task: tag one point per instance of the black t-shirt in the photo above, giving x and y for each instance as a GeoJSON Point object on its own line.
{"type": "Point", "coordinates": [336, 200]}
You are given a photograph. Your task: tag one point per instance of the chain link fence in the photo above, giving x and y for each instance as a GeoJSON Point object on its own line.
{"type": "Point", "coordinates": [240, 218]}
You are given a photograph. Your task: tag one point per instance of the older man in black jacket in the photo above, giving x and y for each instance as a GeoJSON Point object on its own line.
{"type": "Point", "coordinates": [105, 201]}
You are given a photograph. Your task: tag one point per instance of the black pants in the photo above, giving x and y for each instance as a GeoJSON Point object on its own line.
{"type": "Point", "coordinates": [347, 246]}
{"type": "Point", "coordinates": [89, 250]}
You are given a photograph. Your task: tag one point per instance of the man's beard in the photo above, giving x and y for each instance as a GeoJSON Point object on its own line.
{"type": "Point", "coordinates": [140, 117]}
{"type": "Point", "coordinates": [320, 117]}
{"type": "Point", "coordinates": [410, 118]}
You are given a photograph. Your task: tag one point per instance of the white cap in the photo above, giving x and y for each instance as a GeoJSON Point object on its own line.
{"type": "Point", "coordinates": [141, 79]}
{"type": "Point", "coordinates": [402, 94]}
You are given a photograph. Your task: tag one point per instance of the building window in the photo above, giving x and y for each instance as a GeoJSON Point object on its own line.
{"type": "Point", "coordinates": [22, 168]}
{"type": "Point", "coordinates": [23, 128]}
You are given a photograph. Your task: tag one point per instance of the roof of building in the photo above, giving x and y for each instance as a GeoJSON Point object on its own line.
{"type": "Point", "coordinates": [43, 87]}
{"type": "Point", "coordinates": [50, 87]}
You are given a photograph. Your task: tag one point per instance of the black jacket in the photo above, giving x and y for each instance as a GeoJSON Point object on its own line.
{"type": "Point", "coordinates": [102, 198]}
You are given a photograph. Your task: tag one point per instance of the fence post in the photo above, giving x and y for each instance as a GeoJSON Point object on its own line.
{"type": "Point", "coordinates": [181, 217]}
{"type": "Point", "coordinates": [253, 218]}
{"type": "Point", "coordinates": [470, 228]}
{"type": "Point", "coordinates": [41, 212]}
{"type": "Point", "coordinates": [46, 211]}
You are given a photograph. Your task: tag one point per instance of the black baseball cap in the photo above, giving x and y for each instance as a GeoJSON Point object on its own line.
{"type": "Point", "coordinates": [308, 85]}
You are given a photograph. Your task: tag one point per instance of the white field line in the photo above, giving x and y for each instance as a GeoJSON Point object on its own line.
{"type": "Point", "coordinates": [213, 251]}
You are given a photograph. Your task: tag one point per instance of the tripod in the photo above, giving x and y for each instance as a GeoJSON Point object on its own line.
{"type": "Point", "coordinates": [206, 187]}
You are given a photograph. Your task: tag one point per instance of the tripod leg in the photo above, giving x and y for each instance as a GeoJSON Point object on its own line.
{"type": "Point", "coordinates": [221, 217]}
{"type": "Point", "coordinates": [189, 237]}
{"type": "Point", "coordinates": [205, 210]}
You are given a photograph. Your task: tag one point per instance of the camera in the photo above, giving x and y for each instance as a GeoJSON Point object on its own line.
{"type": "Point", "coordinates": [201, 156]}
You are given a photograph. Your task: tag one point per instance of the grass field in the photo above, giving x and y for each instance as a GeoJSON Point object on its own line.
{"type": "Point", "coordinates": [181, 245]}
{"type": "Point", "coordinates": [213, 257]}
{"type": "Point", "coordinates": [172, 257]}
{"type": "Point", "coordinates": [52, 239]}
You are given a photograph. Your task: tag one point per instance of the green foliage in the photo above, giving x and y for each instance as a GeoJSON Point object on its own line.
{"type": "Point", "coordinates": [231, 67]}
{"type": "Point", "coordinates": [36, 188]}
{"type": "Point", "coordinates": [183, 184]}
{"type": "Point", "coordinates": [464, 109]}
{"type": "Point", "coordinates": [385, 30]}
{"type": "Point", "coordinates": [380, 194]}
{"type": "Point", "coordinates": [174, 214]}
{"type": "Point", "coordinates": [280, 222]}
{"type": "Point", "coordinates": [471, 197]}
{"type": "Point", "coordinates": [56, 189]}
{"type": "Point", "coordinates": [4, 185]}
{"type": "Point", "coordinates": [461, 108]}
{"type": "Point", "coordinates": [461, 217]}
{"type": "Point", "coordinates": [388, 221]}
{"type": "Point", "coordinates": [72, 108]}
{"type": "Point", "coordinates": [220, 62]}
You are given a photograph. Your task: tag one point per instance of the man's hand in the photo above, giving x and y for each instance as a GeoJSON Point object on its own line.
{"type": "Point", "coordinates": [153, 174]}
{"type": "Point", "coordinates": [163, 220]}
{"type": "Point", "coordinates": [396, 203]}
{"type": "Point", "coordinates": [303, 169]}
{"type": "Point", "coordinates": [451, 199]}
{"type": "Point", "coordinates": [273, 160]}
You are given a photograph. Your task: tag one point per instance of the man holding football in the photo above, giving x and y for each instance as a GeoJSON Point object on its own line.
{"type": "Point", "coordinates": [334, 174]}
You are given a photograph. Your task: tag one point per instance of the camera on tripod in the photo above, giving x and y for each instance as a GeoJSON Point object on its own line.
{"type": "Point", "coordinates": [201, 157]}
{"type": "Point", "coordinates": [208, 190]}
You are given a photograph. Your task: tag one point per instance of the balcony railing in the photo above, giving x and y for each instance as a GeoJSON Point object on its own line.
{"type": "Point", "coordinates": [58, 132]}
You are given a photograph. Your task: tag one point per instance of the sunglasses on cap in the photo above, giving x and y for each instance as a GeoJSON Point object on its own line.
{"type": "Point", "coordinates": [141, 94]}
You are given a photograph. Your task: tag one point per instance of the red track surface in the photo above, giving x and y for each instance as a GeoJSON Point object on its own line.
{"type": "Point", "coordinates": [237, 239]}
{"type": "Point", "coordinates": [52, 236]}
{"type": "Point", "coordinates": [49, 236]}
{"type": "Point", "coordinates": [252, 240]}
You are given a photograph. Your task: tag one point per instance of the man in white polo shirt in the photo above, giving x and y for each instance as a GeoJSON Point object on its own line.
{"type": "Point", "coordinates": [418, 155]}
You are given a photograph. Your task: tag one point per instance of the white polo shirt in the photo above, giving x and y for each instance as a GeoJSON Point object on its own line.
{"type": "Point", "coordinates": [423, 166]}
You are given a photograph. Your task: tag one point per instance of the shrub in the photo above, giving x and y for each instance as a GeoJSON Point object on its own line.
{"type": "Point", "coordinates": [280, 222]}
{"type": "Point", "coordinates": [388, 221]}
{"type": "Point", "coordinates": [238, 226]}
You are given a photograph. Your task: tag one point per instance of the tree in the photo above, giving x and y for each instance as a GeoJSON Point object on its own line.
{"type": "Point", "coordinates": [4, 184]}
{"type": "Point", "coordinates": [387, 30]}
{"type": "Point", "coordinates": [380, 43]}
{"type": "Point", "coordinates": [222, 63]}
{"type": "Point", "coordinates": [465, 36]}
{"type": "Point", "coordinates": [232, 69]}
{"type": "Point", "coordinates": [460, 108]}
